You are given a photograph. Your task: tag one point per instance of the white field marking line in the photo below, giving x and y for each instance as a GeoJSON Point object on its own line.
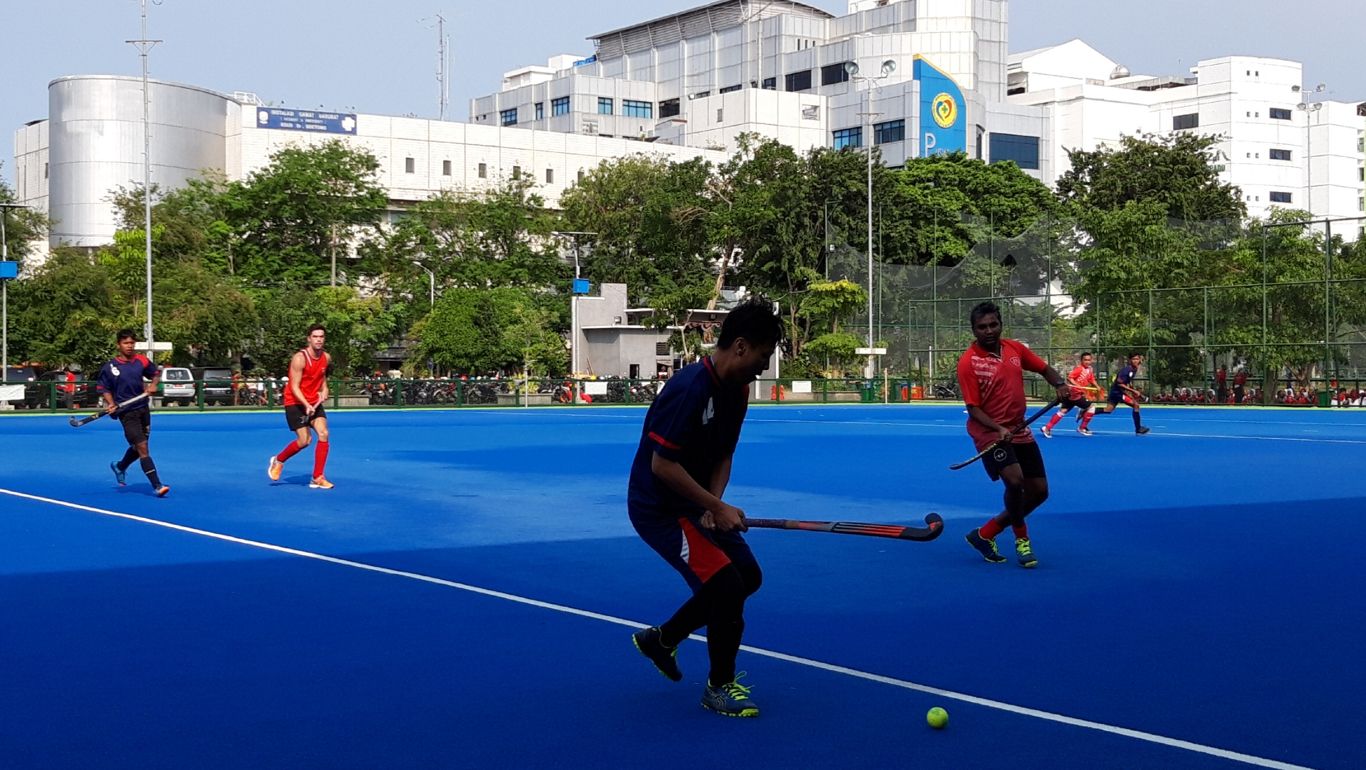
{"type": "Point", "coordinates": [1295, 439]}
{"type": "Point", "coordinates": [1175, 743]}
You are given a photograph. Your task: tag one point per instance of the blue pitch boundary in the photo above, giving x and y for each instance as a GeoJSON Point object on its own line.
{"type": "Point", "coordinates": [801, 661]}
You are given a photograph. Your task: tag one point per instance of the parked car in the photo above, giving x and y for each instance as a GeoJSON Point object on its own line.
{"type": "Point", "coordinates": [21, 375]}
{"type": "Point", "coordinates": [177, 386]}
{"type": "Point", "coordinates": [217, 384]}
{"type": "Point", "coordinates": [39, 393]}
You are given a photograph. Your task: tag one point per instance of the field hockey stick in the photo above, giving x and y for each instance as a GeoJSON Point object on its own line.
{"type": "Point", "coordinates": [996, 444]}
{"type": "Point", "coordinates": [76, 423]}
{"type": "Point", "coordinates": [934, 525]}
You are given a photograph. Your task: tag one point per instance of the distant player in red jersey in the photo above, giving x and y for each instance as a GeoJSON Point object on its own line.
{"type": "Point", "coordinates": [991, 379]}
{"type": "Point", "coordinates": [1083, 382]}
{"type": "Point", "coordinates": [304, 397]}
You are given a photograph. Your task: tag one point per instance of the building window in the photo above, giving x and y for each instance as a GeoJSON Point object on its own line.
{"type": "Point", "coordinates": [770, 84]}
{"type": "Point", "coordinates": [669, 108]}
{"type": "Point", "coordinates": [891, 131]}
{"type": "Point", "coordinates": [797, 81]}
{"type": "Point", "coordinates": [580, 175]}
{"type": "Point", "coordinates": [483, 171]}
{"type": "Point", "coordinates": [550, 176]}
{"type": "Point", "coordinates": [604, 106]}
{"type": "Point", "coordinates": [728, 89]}
{"type": "Point", "coordinates": [701, 94]}
{"type": "Point", "coordinates": [1023, 150]}
{"type": "Point", "coordinates": [559, 106]}
{"type": "Point", "coordinates": [516, 172]}
{"type": "Point", "coordinates": [833, 73]}
{"type": "Point", "coordinates": [1280, 197]}
{"type": "Point", "coordinates": [1276, 154]}
{"type": "Point", "coordinates": [539, 109]}
{"type": "Point", "coordinates": [409, 165]}
{"type": "Point", "coordinates": [1183, 122]}
{"type": "Point", "coordinates": [1277, 113]}
{"type": "Point", "coordinates": [634, 109]}
{"type": "Point", "coordinates": [445, 168]}
{"type": "Point", "coordinates": [45, 170]}
{"type": "Point", "coordinates": [848, 137]}
{"type": "Point", "coordinates": [508, 117]}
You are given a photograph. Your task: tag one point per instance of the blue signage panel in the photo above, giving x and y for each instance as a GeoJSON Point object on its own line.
{"type": "Point", "coordinates": [306, 120]}
{"type": "Point", "coordinates": [9, 270]}
{"type": "Point", "coordinates": [943, 111]}
{"type": "Point", "coordinates": [582, 286]}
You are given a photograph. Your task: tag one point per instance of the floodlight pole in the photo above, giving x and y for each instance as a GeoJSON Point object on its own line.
{"type": "Point", "coordinates": [144, 46]}
{"type": "Point", "coordinates": [888, 67]}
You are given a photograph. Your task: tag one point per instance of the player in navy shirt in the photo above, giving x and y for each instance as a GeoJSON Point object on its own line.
{"type": "Point", "coordinates": [128, 375]}
{"type": "Point", "coordinates": [1122, 390]}
{"type": "Point", "coordinates": [681, 469]}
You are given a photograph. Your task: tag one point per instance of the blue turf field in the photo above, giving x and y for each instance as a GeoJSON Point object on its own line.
{"type": "Point", "coordinates": [1199, 600]}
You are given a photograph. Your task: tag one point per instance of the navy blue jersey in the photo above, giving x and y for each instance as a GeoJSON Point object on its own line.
{"type": "Point", "coordinates": [1125, 377]}
{"type": "Point", "coordinates": [695, 421]}
{"type": "Point", "coordinates": [124, 379]}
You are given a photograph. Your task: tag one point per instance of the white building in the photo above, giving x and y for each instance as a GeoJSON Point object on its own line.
{"type": "Point", "coordinates": [91, 143]}
{"type": "Point", "coordinates": [703, 76]}
{"type": "Point", "coordinates": [1277, 143]}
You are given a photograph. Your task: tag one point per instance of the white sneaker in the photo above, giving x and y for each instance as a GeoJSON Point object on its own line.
{"type": "Point", "coordinates": [1046, 431]}
{"type": "Point", "coordinates": [1084, 431]}
{"type": "Point", "coordinates": [273, 470]}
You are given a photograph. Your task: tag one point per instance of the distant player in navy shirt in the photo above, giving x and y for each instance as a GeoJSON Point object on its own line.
{"type": "Point", "coordinates": [1122, 390]}
{"type": "Point", "coordinates": [681, 469]}
{"type": "Point", "coordinates": [128, 375]}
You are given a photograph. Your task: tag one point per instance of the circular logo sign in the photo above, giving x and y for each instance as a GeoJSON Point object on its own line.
{"type": "Point", "coordinates": [945, 110]}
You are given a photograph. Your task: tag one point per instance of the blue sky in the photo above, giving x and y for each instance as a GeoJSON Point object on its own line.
{"type": "Point", "coordinates": [381, 57]}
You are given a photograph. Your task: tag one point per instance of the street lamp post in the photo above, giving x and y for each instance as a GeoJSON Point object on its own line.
{"type": "Point", "coordinates": [144, 47]}
{"type": "Point", "coordinates": [431, 280]}
{"type": "Point", "coordinates": [888, 67]}
{"type": "Point", "coordinates": [4, 289]}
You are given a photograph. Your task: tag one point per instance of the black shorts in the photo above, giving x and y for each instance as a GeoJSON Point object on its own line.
{"type": "Point", "coordinates": [137, 425]}
{"type": "Point", "coordinates": [1118, 397]}
{"type": "Point", "coordinates": [1027, 456]}
{"type": "Point", "coordinates": [697, 554]}
{"type": "Point", "coordinates": [1074, 403]}
{"type": "Point", "coordinates": [296, 418]}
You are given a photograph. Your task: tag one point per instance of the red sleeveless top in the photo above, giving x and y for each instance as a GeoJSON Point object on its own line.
{"type": "Point", "coordinates": [311, 381]}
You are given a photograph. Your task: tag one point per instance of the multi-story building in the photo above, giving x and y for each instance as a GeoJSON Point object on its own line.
{"type": "Point", "coordinates": [91, 144]}
{"type": "Point", "coordinates": [1278, 142]}
{"type": "Point", "coordinates": [926, 77]}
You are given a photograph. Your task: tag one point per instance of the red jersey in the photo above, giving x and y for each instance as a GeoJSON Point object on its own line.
{"type": "Point", "coordinates": [310, 381]}
{"type": "Point", "coordinates": [995, 384]}
{"type": "Point", "coordinates": [1086, 378]}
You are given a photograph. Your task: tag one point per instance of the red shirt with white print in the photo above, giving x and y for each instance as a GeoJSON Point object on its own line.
{"type": "Point", "coordinates": [995, 384]}
{"type": "Point", "coordinates": [1084, 376]}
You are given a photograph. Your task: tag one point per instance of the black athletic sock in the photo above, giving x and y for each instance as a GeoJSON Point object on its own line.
{"type": "Point", "coordinates": [128, 458]}
{"type": "Point", "coordinates": [150, 468]}
{"type": "Point", "coordinates": [725, 623]}
{"type": "Point", "coordinates": [1137, 424]}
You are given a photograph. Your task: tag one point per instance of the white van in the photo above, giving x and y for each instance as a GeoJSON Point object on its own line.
{"type": "Point", "coordinates": [177, 386]}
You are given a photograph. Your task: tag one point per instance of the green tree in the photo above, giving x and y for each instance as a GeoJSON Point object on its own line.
{"type": "Point", "coordinates": [66, 312]}
{"type": "Point", "coordinates": [290, 219]}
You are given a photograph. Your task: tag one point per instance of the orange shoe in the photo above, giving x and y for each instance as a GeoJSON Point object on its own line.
{"type": "Point", "coordinates": [273, 470]}
{"type": "Point", "coordinates": [162, 490]}
{"type": "Point", "coordinates": [320, 483]}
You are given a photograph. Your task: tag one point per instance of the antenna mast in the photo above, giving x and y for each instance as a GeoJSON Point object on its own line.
{"type": "Point", "coordinates": [442, 65]}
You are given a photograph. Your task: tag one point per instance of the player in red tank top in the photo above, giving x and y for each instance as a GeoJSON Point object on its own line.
{"type": "Point", "coordinates": [304, 413]}
{"type": "Point", "coordinates": [1084, 392]}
